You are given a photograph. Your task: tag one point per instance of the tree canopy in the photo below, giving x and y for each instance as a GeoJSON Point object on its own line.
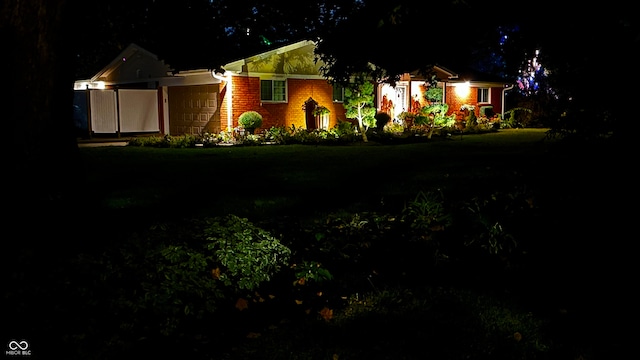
{"type": "Point", "coordinates": [358, 102]}
{"type": "Point", "coordinates": [395, 36]}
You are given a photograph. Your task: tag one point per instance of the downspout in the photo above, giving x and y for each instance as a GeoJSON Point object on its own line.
{"type": "Point", "coordinates": [226, 77]}
{"type": "Point", "coordinates": [509, 87]}
{"type": "Point", "coordinates": [444, 92]}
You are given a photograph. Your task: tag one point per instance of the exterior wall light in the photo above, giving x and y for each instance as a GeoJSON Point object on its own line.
{"type": "Point", "coordinates": [462, 90]}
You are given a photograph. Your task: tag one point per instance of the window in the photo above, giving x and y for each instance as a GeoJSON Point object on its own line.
{"type": "Point", "coordinates": [338, 93]}
{"type": "Point", "coordinates": [273, 90]}
{"type": "Point", "coordinates": [483, 95]}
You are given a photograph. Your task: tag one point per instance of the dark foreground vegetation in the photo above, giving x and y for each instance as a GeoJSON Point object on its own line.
{"type": "Point", "coordinates": [495, 246]}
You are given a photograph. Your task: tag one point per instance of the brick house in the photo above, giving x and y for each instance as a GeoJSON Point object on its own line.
{"type": "Point", "coordinates": [138, 93]}
{"type": "Point", "coordinates": [284, 85]}
{"type": "Point", "coordinates": [483, 93]}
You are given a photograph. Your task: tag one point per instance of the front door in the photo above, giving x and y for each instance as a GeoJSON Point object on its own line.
{"type": "Point", "coordinates": [310, 119]}
{"type": "Point", "coordinates": [401, 101]}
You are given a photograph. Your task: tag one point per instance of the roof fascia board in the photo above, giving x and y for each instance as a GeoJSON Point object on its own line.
{"type": "Point", "coordinates": [279, 76]}
{"type": "Point", "coordinates": [481, 83]}
{"type": "Point", "coordinates": [452, 75]}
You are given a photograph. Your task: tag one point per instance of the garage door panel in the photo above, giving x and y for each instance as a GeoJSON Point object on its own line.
{"type": "Point", "coordinates": [193, 109]}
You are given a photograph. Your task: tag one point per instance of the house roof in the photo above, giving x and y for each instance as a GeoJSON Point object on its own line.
{"type": "Point", "coordinates": [472, 76]}
{"type": "Point", "coordinates": [480, 78]}
{"type": "Point", "coordinates": [237, 65]}
{"type": "Point", "coordinates": [441, 73]}
{"type": "Point", "coordinates": [297, 58]}
{"type": "Point", "coordinates": [133, 64]}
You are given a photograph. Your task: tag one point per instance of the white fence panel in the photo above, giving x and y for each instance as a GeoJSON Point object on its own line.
{"type": "Point", "coordinates": [138, 110]}
{"type": "Point", "coordinates": [104, 112]}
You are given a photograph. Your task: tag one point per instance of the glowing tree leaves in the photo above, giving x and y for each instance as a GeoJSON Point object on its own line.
{"type": "Point", "coordinates": [215, 273]}
{"type": "Point", "coordinates": [242, 304]}
{"type": "Point", "coordinates": [326, 313]}
{"type": "Point", "coordinates": [517, 336]}
{"type": "Point", "coordinates": [359, 97]}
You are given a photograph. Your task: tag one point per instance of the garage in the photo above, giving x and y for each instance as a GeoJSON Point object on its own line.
{"type": "Point", "coordinates": [137, 93]}
{"type": "Point", "coordinates": [193, 109]}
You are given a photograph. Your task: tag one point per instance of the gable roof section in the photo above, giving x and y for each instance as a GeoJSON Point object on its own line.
{"type": "Point", "coordinates": [441, 73]}
{"type": "Point", "coordinates": [293, 60]}
{"type": "Point", "coordinates": [133, 64]}
{"type": "Point", "coordinates": [136, 65]}
{"type": "Point", "coordinates": [478, 78]}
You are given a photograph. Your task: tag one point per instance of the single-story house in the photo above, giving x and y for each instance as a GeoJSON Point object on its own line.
{"type": "Point", "coordinates": [138, 93]}
{"type": "Point", "coordinates": [284, 85]}
{"type": "Point", "coordinates": [480, 92]}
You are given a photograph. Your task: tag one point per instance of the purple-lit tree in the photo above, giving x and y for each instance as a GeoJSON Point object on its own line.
{"type": "Point", "coordinates": [533, 77]}
{"type": "Point", "coordinates": [533, 93]}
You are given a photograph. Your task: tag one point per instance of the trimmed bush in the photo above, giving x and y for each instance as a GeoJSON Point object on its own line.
{"type": "Point", "coordinates": [250, 120]}
{"type": "Point", "coordinates": [382, 119]}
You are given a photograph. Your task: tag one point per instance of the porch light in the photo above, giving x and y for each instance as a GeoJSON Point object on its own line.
{"type": "Point", "coordinates": [84, 85]}
{"type": "Point", "coordinates": [463, 89]}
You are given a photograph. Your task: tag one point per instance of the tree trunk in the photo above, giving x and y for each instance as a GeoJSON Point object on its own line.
{"type": "Point", "coordinates": [363, 131]}
{"type": "Point", "coordinates": [40, 147]}
{"type": "Point", "coordinates": [40, 159]}
{"type": "Point", "coordinates": [361, 124]}
{"type": "Point", "coordinates": [431, 126]}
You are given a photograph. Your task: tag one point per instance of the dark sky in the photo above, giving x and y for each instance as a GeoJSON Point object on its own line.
{"type": "Point", "coordinates": [187, 37]}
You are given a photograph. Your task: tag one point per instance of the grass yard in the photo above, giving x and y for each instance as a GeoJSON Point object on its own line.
{"type": "Point", "coordinates": [253, 180]}
{"type": "Point", "coordinates": [492, 246]}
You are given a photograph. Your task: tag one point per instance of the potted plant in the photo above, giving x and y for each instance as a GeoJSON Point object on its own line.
{"type": "Point", "coordinates": [321, 110]}
{"type": "Point", "coordinates": [321, 114]}
{"type": "Point", "coordinates": [407, 118]}
{"type": "Point", "coordinates": [250, 121]}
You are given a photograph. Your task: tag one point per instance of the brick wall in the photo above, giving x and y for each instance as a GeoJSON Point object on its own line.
{"type": "Point", "coordinates": [246, 97]}
{"type": "Point", "coordinates": [455, 102]}
{"type": "Point", "coordinates": [300, 90]}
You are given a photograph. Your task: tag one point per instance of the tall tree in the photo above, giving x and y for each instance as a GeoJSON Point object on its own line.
{"type": "Point", "coordinates": [578, 52]}
{"type": "Point", "coordinates": [187, 34]}
{"type": "Point", "coordinates": [397, 36]}
{"type": "Point", "coordinates": [253, 26]}
{"type": "Point", "coordinates": [103, 29]}
{"type": "Point", "coordinates": [358, 102]}
{"type": "Point", "coordinates": [40, 161]}
{"type": "Point", "coordinates": [41, 150]}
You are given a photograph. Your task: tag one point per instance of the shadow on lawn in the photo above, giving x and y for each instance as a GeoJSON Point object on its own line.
{"type": "Point", "coordinates": [397, 292]}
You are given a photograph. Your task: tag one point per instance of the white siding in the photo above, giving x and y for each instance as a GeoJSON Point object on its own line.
{"type": "Point", "coordinates": [138, 110]}
{"type": "Point", "coordinates": [104, 114]}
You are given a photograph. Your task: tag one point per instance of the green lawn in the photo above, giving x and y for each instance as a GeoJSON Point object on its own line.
{"type": "Point", "coordinates": [490, 246]}
{"type": "Point", "coordinates": [291, 178]}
